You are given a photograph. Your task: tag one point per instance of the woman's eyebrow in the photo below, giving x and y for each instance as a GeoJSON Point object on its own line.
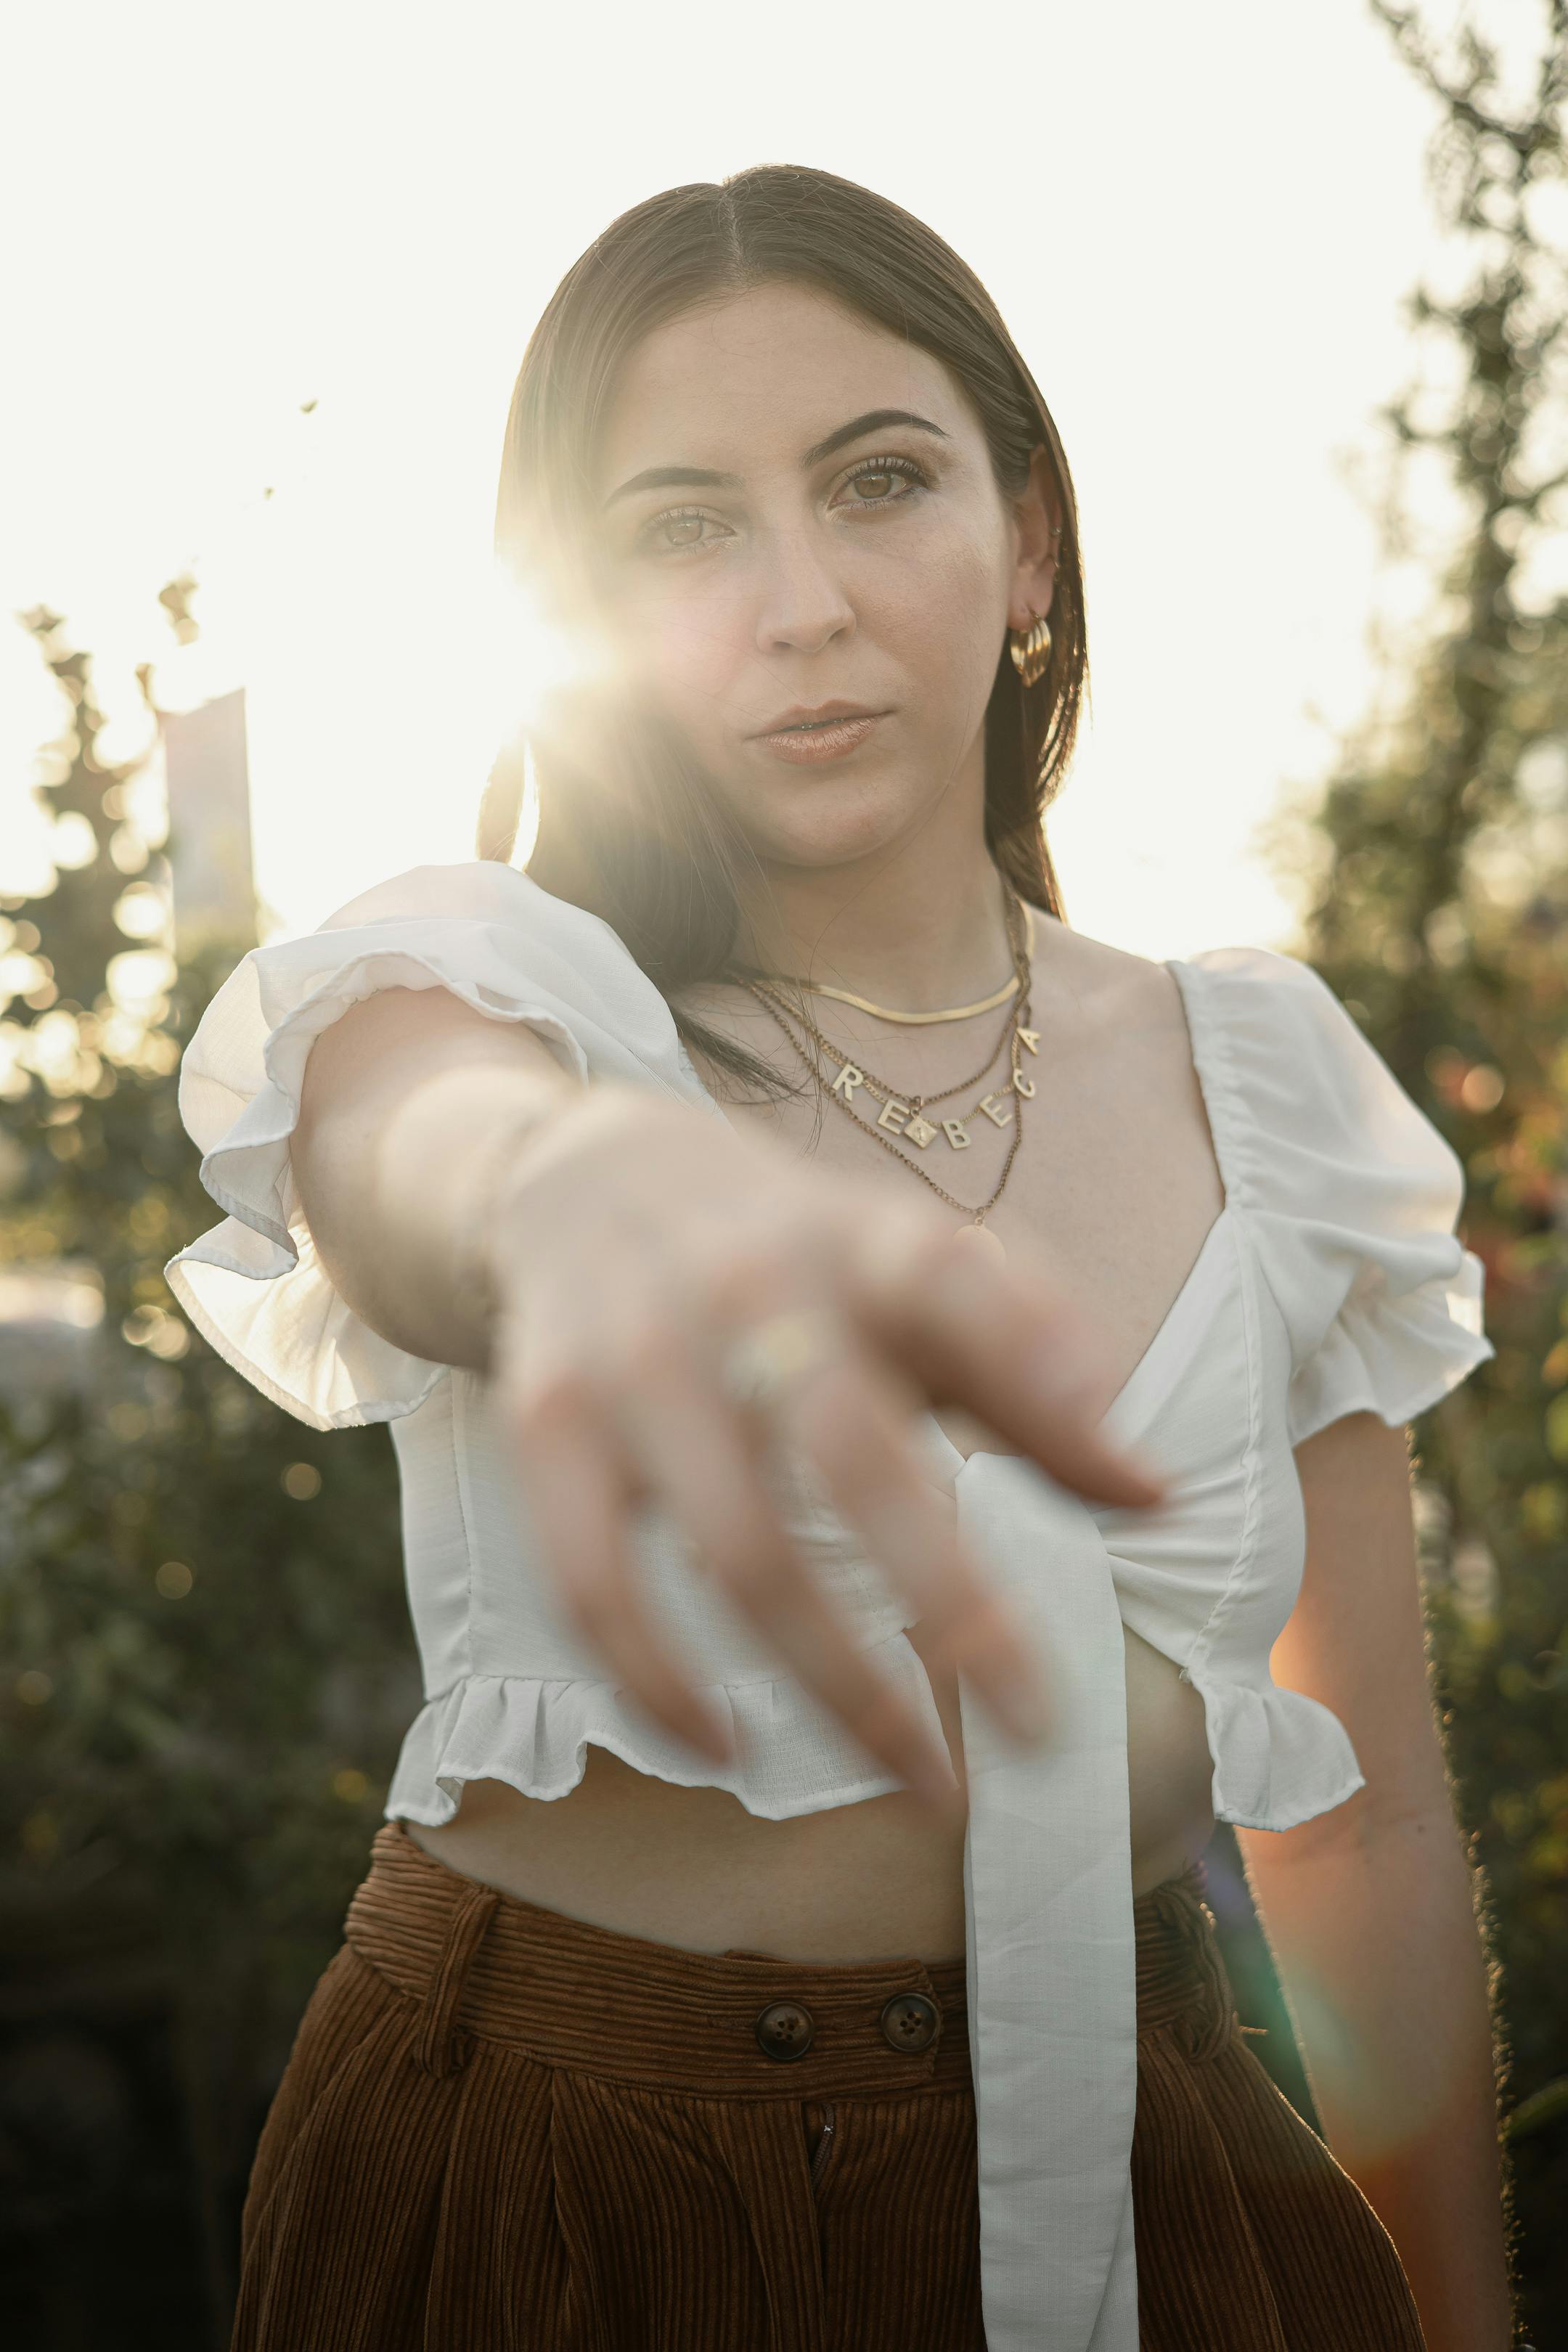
{"type": "Point", "coordinates": [875, 420]}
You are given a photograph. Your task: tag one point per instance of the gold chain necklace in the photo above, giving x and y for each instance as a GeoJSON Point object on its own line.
{"type": "Point", "coordinates": [852, 1075]}
{"type": "Point", "coordinates": [921, 1020]}
{"type": "Point", "coordinates": [903, 1118]}
{"type": "Point", "coordinates": [976, 1229]}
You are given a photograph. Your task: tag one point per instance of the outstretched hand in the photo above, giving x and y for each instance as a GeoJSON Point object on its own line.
{"type": "Point", "coordinates": [654, 1242]}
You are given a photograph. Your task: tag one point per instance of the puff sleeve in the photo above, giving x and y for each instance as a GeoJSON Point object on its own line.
{"type": "Point", "coordinates": [1354, 1197]}
{"type": "Point", "coordinates": [254, 1285]}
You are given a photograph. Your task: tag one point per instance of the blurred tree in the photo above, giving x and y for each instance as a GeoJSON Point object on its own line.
{"type": "Point", "coordinates": [1438, 868]}
{"type": "Point", "coordinates": [208, 1665]}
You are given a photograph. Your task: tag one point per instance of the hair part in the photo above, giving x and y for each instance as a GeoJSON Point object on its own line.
{"type": "Point", "coordinates": [630, 833]}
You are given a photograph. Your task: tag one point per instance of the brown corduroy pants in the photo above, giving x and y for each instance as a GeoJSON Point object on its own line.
{"type": "Point", "coordinates": [504, 2130]}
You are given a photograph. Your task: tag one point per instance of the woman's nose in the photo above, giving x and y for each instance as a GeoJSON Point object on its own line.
{"type": "Point", "coordinates": [802, 602]}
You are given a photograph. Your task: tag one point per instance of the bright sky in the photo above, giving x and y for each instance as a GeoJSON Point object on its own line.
{"type": "Point", "coordinates": [1199, 224]}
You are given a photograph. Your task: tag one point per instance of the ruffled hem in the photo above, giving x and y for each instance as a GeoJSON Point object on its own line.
{"type": "Point", "coordinates": [533, 1732]}
{"type": "Point", "coordinates": [1279, 1758]}
{"type": "Point", "coordinates": [1393, 1355]}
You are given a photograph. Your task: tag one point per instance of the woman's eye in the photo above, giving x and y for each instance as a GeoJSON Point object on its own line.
{"type": "Point", "coordinates": [652, 535]}
{"type": "Point", "coordinates": [882, 474]}
{"type": "Point", "coordinates": [679, 531]}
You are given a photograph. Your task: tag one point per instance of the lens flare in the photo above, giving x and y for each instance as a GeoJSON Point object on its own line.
{"type": "Point", "coordinates": [530, 665]}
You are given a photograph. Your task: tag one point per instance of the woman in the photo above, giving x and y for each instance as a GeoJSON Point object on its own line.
{"type": "Point", "coordinates": [846, 1543]}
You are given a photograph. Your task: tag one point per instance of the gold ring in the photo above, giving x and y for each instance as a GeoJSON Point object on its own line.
{"type": "Point", "coordinates": [770, 1358]}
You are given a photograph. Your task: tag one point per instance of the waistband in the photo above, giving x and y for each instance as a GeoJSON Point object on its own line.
{"type": "Point", "coordinates": [591, 2001]}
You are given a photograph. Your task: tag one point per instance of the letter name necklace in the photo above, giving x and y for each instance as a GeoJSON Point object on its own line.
{"type": "Point", "coordinates": [902, 1116]}
{"type": "Point", "coordinates": [904, 1119]}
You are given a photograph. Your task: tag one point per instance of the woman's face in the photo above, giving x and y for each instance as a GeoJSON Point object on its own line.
{"type": "Point", "coordinates": [765, 545]}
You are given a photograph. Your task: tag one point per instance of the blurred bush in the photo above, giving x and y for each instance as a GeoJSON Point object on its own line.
{"type": "Point", "coordinates": [208, 1661]}
{"type": "Point", "coordinates": [1438, 866]}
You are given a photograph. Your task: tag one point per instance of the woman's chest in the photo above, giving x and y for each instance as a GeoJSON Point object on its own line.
{"type": "Point", "coordinates": [1218, 1558]}
{"type": "Point", "coordinates": [1104, 1178]}
{"type": "Point", "coordinates": [1202, 1585]}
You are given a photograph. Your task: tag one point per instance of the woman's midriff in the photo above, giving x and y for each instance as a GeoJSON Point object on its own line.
{"type": "Point", "coordinates": [869, 1881]}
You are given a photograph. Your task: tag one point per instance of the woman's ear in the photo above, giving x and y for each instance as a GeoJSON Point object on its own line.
{"type": "Point", "coordinates": [1038, 522]}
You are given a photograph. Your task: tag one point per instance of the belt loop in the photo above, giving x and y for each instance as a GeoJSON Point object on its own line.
{"type": "Point", "coordinates": [1207, 2026]}
{"type": "Point", "coordinates": [439, 2048]}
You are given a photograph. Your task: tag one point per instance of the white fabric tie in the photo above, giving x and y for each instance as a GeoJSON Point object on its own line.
{"type": "Point", "coordinates": [1051, 1963]}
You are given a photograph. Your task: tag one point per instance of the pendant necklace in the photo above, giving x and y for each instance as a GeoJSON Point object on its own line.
{"type": "Point", "coordinates": [907, 1117]}
{"type": "Point", "coordinates": [903, 1118]}
{"type": "Point", "coordinates": [976, 1234]}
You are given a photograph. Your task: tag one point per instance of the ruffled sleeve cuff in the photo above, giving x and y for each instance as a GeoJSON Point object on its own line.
{"type": "Point", "coordinates": [1354, 1194]}
{"type": "Point", "coordinates": [254, 1285]}
{"type": "Point", "coordinates": [1393, 1355]}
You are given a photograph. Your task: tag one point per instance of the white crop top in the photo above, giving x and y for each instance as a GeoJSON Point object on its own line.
{"type": "Point", "coordinates": [1332, 1281]}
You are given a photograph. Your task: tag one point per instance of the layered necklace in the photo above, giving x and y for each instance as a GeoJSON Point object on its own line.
{"type": "Point", "coordinates": [901, 1117]}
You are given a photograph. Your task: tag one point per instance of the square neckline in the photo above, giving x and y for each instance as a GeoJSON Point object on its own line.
{"type": "Point", "coordinates": [1185, 1319]}
{"type": "Point", "coordinates": [1188, 1313]}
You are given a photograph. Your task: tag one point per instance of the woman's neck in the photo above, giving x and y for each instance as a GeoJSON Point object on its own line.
{"type": "Point", "coordinates": [916, 942]}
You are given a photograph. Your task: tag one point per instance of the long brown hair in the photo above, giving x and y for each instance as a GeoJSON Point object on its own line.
{"type": "Point", "coordinates": [630, 834]}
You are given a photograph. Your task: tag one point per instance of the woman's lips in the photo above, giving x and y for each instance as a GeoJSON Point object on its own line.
{"type": "Point", "coordinates": [803, 746]}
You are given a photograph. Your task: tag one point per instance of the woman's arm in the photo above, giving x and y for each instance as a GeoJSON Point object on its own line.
{"type": "Point", "coordinates": [406, 1100]}
{"type": "Point", "coordinates": [599, 1253]}
{"type": "Point", "coordinates": [1369, 1909]}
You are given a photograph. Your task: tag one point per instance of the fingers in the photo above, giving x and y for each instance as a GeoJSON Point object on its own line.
{"type": "Point", "coordinates": [583, 1448]}
{"type": "Point", "coordinates": [699, 1453]}
{"type": "Point", "coordinates": [632, 1403]}
{"type": "Point", "coordinates": [852, 1420]}
{"type": "Point", "coordinates": [999, 1338]}
{"type": "Point", "coordinates": [579, 1498]}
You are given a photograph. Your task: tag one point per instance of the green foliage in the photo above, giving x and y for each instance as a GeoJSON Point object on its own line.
{"type": "Point", "coordinates": [1441, 914]}
{"type": "Point", "coordinates": [208, 1664]}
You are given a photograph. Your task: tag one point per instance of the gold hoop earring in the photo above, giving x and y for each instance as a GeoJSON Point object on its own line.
{"type": "Point", "coordinates": [1032, 653]}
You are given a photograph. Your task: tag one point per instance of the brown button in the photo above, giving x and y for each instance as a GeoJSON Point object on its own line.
{"type": "Point", "coordinates": [910, 2021]}
{"type": "Point", "coordinates": [784, 2029]}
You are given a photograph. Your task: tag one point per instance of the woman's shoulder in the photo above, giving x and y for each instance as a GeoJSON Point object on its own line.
{"type": "Point", "coordinates": [479, 889]}
{"type": "Point", "coordinates": [1268, 1035]}
{"type": "Point", "coordinates": [1267, 981]}
{"type": "Point", "coordinates": [1296, 1063]}
{"type": "Point", "coordinates": [479, 926]}
{"type": "Point", "coordinates": [1313, 1126]}
{"type": "Point", "coordinates": [487, 933]}
{"type": "Point", "coordinates": [1106, 984]}
{"type": "Point", "coordinates": [1312, 1102]}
